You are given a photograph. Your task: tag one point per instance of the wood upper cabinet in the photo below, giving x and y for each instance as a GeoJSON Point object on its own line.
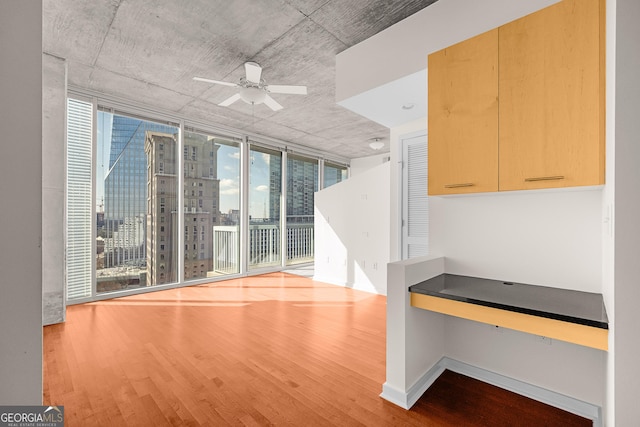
{"type": "Point", "coordinates": [551, 83]}
{"type": "Point", "coordinates": [463, 117]}
{"type": "Point", "coordinates": [522, 106]}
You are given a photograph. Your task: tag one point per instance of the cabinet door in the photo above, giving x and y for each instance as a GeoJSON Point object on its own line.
{"type": "Point", "coordinates": [463, 117]}
{"type": "Point", "coordinates": [551, 98]}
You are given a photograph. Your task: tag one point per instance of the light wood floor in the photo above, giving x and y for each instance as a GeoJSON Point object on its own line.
{"type": "Point", "coordinates": [275, 349]}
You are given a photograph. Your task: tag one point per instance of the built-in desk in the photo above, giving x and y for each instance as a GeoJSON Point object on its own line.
{"type": "Point", "coordinates": [567, 315]}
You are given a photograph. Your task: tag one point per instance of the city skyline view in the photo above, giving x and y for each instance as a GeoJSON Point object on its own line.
{"type": "Point", "coordinates": [229, 172]}
{"type": "Point", "coordinates": [125, 171]}
{"type": "Point", "coordinates": [137, 170]}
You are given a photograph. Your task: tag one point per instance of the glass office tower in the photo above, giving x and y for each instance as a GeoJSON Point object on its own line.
{"type": "Point", "coordinates": [125, 194]}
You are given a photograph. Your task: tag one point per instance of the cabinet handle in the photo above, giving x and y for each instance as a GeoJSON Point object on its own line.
{"type": "Point", "coordinates": [544, 178]}
{"type": "Point", "coordinates": [466, 184]}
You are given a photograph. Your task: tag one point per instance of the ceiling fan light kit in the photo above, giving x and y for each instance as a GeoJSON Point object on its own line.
{"type": "Point", "coordinates": [252, 95]}
{"type": "Point", "coordinates": [253, 89]}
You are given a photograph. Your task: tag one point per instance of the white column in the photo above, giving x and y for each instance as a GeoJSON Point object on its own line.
{"type": "Point", "coordinates": [54, 106]}
{"type": "Point", "coordinates": [626, 225]}
{"type": "Point", "coordinates": [283, 210]}
{"type": "Point", "coordinates": [244, 205]}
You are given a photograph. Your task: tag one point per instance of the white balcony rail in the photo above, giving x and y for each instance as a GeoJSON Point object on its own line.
{"type": "Point", "coordinates": [299, 243]}
{"type": "Point", "coordinates": [226, 249]}
{"type": "Point", "coordinates": [264, 246]}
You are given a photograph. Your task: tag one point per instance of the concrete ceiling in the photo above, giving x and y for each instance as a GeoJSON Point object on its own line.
{"type": "Point", "coordinates": [148, 51]}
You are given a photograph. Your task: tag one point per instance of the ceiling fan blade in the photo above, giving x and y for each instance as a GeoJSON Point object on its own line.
{"type": "Point", "coordinates": [293, 90]}
{"type": "Point", "coordinates": [230, 100]}
{"type": "Point", "coordinates": [253, 71]}
{"type": "Point", "coordinates": [218, 82]}
{"type": "Point", "coordinates": [271, 103]}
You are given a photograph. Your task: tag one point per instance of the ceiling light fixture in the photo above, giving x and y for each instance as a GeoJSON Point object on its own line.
{"type": "Point", "coordinates": [253, 95]}
{"type": "Point", "coordinates": [376, 143]}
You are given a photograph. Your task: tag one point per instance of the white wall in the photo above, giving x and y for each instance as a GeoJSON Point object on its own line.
{"type": "Point", "coordinates": [415, 337]}
{"type": "Point", "coordinates": [363, 164]}
{"type": "Point", "coordinates": [21, 189]}
{"type": "Point", "coordinates": [352, 231]}
{"type": "Point", "coordinates": [550, 238]}
{"type": "Point", "coordinates": [565, 368]}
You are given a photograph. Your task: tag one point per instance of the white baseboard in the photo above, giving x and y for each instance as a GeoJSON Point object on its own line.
{"type": "Point", "coordinates": [407, 399]}
{"type": "Point", "coordinates": [329, 280]}
{"type": "Point", "coordinates": [367, 287]}
{"type": "Point", "coordinates": [394, 396]}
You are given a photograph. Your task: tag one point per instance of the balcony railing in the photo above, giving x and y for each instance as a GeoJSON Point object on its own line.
{"type": "Point", "coordinates": [299, 243]}
{"type": "Point", "coordinates": [264, 246]}
{"type": "Point", "coordinates": [226, 249]}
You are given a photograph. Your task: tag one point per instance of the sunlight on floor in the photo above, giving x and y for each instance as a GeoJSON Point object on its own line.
{"type": "Point", "coordinates": [247, 290]}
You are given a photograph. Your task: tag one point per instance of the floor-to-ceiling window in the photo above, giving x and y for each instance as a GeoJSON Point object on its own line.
{"type": "Point", "coordinates": [137, 205]}
{"type": "Point", "coordinates": [211, 206]}
{"type": "Point", "coordinates": [302, 183]}
{"type": "Point", "coordinates": [162, 202]}
{"type": "Point", "coordinates": [265, 191]}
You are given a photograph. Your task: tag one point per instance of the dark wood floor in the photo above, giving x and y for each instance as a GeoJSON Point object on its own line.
{"type": "Point", "coordinates": [275, 349]}
{"type": "Point", "coordinates": [456, 400]}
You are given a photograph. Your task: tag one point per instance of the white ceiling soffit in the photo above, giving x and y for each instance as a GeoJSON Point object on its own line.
{"type": "Point", "coordinates": [394, 103]}
{"type": "Point", "coordinates": [399, 55]}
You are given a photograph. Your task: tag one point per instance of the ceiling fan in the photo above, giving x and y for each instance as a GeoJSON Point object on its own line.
{"type": "Point", "coordinates": [254, 90]}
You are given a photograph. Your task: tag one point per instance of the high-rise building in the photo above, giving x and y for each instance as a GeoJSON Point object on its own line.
{"type": "Point", "coordinates": [302, 183]}
{"type": "Point", "coordinates": [333, 174]}
{"type": "Point", "coordinates": [275, 189]}
{"type": "Point", "coordinates": [201, 206]}
{"type": "Point", "coordinates": [162, 207]}
{"type": "Point", "coordinates": [125, 192]}
{"type": "Point", "coordinates": [201, 203]}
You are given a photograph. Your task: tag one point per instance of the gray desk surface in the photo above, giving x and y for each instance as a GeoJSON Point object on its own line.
{"type": "Point", "coordinates": [584, 308]}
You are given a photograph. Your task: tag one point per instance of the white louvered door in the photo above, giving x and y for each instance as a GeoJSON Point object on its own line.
{"type": "Point", "coordinates": [415, 206]}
